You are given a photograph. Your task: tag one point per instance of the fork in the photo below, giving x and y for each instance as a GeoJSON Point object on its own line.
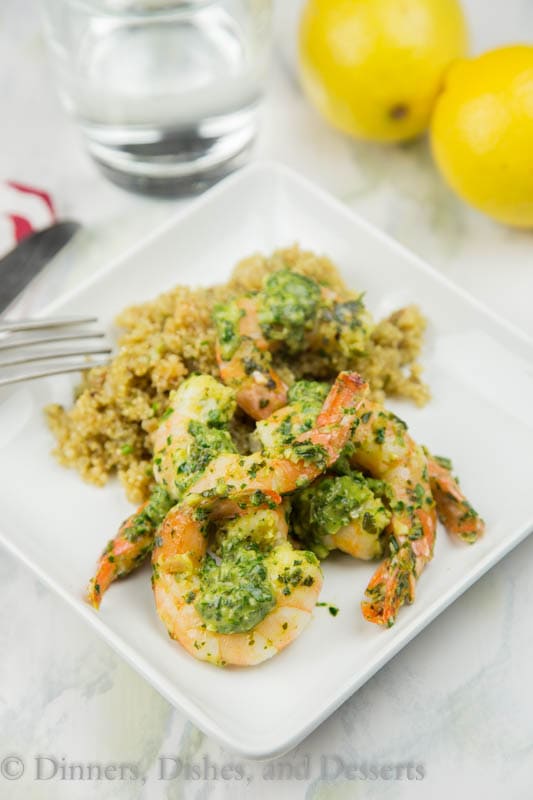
{"type": "Point", "coordinates": [28, 337]}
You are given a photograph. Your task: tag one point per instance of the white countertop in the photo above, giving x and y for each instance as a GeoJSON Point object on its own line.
{"type": "Point", "coordinates": [457, 701]}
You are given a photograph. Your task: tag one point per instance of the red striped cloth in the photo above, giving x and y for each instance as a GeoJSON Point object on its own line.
{"type": "Point", "coordinates": [23, 210]}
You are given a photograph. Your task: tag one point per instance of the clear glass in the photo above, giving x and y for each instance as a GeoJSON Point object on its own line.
{"type": "Point", "coordinates": [166, 91]}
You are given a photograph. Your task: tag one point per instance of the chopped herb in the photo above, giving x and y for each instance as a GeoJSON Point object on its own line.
{"type": "Point", "coordinates": [322, 509]}
{"type": "Point", "coordinates": [443, 462]}
{"type": "Point", "coordinates": [235, 594]}
{"type": "Point", "coordinates": [379, 435]}
{"type": "Point", "coordinates": [227, 319]}
{"type": "Point", "coordinates": [288, 307]}
{"type": "Point", "coordinates": [333, 610]}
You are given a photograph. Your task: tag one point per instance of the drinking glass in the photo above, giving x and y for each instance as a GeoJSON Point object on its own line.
{"type": "Point", "coordinates": [166, 92]}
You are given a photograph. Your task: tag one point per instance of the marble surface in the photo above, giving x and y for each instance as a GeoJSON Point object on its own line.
{"type": "Point", "coordinates": [455, 707]}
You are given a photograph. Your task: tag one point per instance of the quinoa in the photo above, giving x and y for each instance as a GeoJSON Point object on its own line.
{"type": "Point", "coordinates": [116, 407]}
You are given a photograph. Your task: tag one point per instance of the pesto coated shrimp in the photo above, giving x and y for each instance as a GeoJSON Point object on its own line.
{"type": "Point", "coordinates": [382, 447]}
{"type": "Point", "coordinates": [292, 313]}
{"type": "Point", "coordinates": [193, 431]}
{"type": "Point", "coordinates": [244, 608]}
{"type": "Point", "coordinates": [309, 454]}
{"type": "Point", "coordinates": [454, 511]}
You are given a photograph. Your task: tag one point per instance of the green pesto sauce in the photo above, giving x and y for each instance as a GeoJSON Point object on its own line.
{"type": "Point", "coordinates": [308, 395]}
{"type": "Point", "coordinates": [260, 526]}
{"type": "Point", "coordinates": [207, 443]}
{"type": "Point", "coordinates": [146, 521]}
{"type": "Point", "coordinates": [310, 451]}
{"type": "Point", "coordinates": [217, 418]}
{"type": "Point", "coordinates": [305, 401]}
{"type": "Point", "coordinates": [288, 306]}
{"type": "Point", "coordinates": [345, 327]}
{"type": "Point", "coordinates": [380, 489]}
{"type": "Point", "coordinates": [295, 571]}
{"type": "Point", "coordinates": [342, 465]}
{"type": "Point", "coordinates": [236, 593]}
{"type": "Point", "coordinates": [227, 319]}
{"type": "Point", "coordinates": [204, 399]}
{"type": "Point", "coordinates": [322, 509]}
{"type": "Point", "coordinates": [348, 314]}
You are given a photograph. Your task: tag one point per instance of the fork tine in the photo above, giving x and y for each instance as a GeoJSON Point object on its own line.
{"type": "Point", "coordinates": [49, 356]}
{"type": "Point", "coordinates": [57, 337]}
{"type": "Point", "coordinates": [79, 366]}
{"type": "Point", "coordinates": [13, 325]}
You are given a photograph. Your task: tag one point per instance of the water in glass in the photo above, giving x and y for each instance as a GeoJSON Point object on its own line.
{"type": "Point", "coordinates": [166, 91]}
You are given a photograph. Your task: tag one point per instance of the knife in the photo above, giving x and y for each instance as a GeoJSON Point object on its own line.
{"type": "Point", "coordinates": [27, 259]}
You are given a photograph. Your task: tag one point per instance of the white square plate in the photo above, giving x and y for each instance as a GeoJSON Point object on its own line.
{"type": "Point", "coordinates": [480, 372]}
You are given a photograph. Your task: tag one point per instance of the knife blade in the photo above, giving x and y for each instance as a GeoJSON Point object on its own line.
{"type": "Point", "coordinates": [27, 259]}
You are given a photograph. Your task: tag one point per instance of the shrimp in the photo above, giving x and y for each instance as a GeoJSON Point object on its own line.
{"type": "Point", "coordinates": [382, 447]}
{"type": "Point", "coordinates": [454, 511]}
{"type": "Point", "coordinates": [192, 431]}
{"type": "Point", "coordinates": [292, 313]}
{"type": "Point", "coordinates": [258, 477]}
{"type": "Point", "coordinates": [239, 611]}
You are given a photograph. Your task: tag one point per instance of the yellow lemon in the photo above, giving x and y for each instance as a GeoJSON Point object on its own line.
{"type": "Point", "coordinates": [482, 133]}
{"type": "Point", "coordinates": [373, 68]}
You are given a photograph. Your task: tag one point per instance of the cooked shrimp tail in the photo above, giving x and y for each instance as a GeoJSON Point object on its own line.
{"type": "Point", "coordinates": [394, 582]}
{"type": "Point", "coordinates": [337, 417]}
{"type": "Point", "coordinates": [119, 558]}
{"type": "Point", "coordinates": [392, 585]}
{"type": "Point", "coordinates": [454, 511]}
{"type": "Point", "coordinates": [130, 546]}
